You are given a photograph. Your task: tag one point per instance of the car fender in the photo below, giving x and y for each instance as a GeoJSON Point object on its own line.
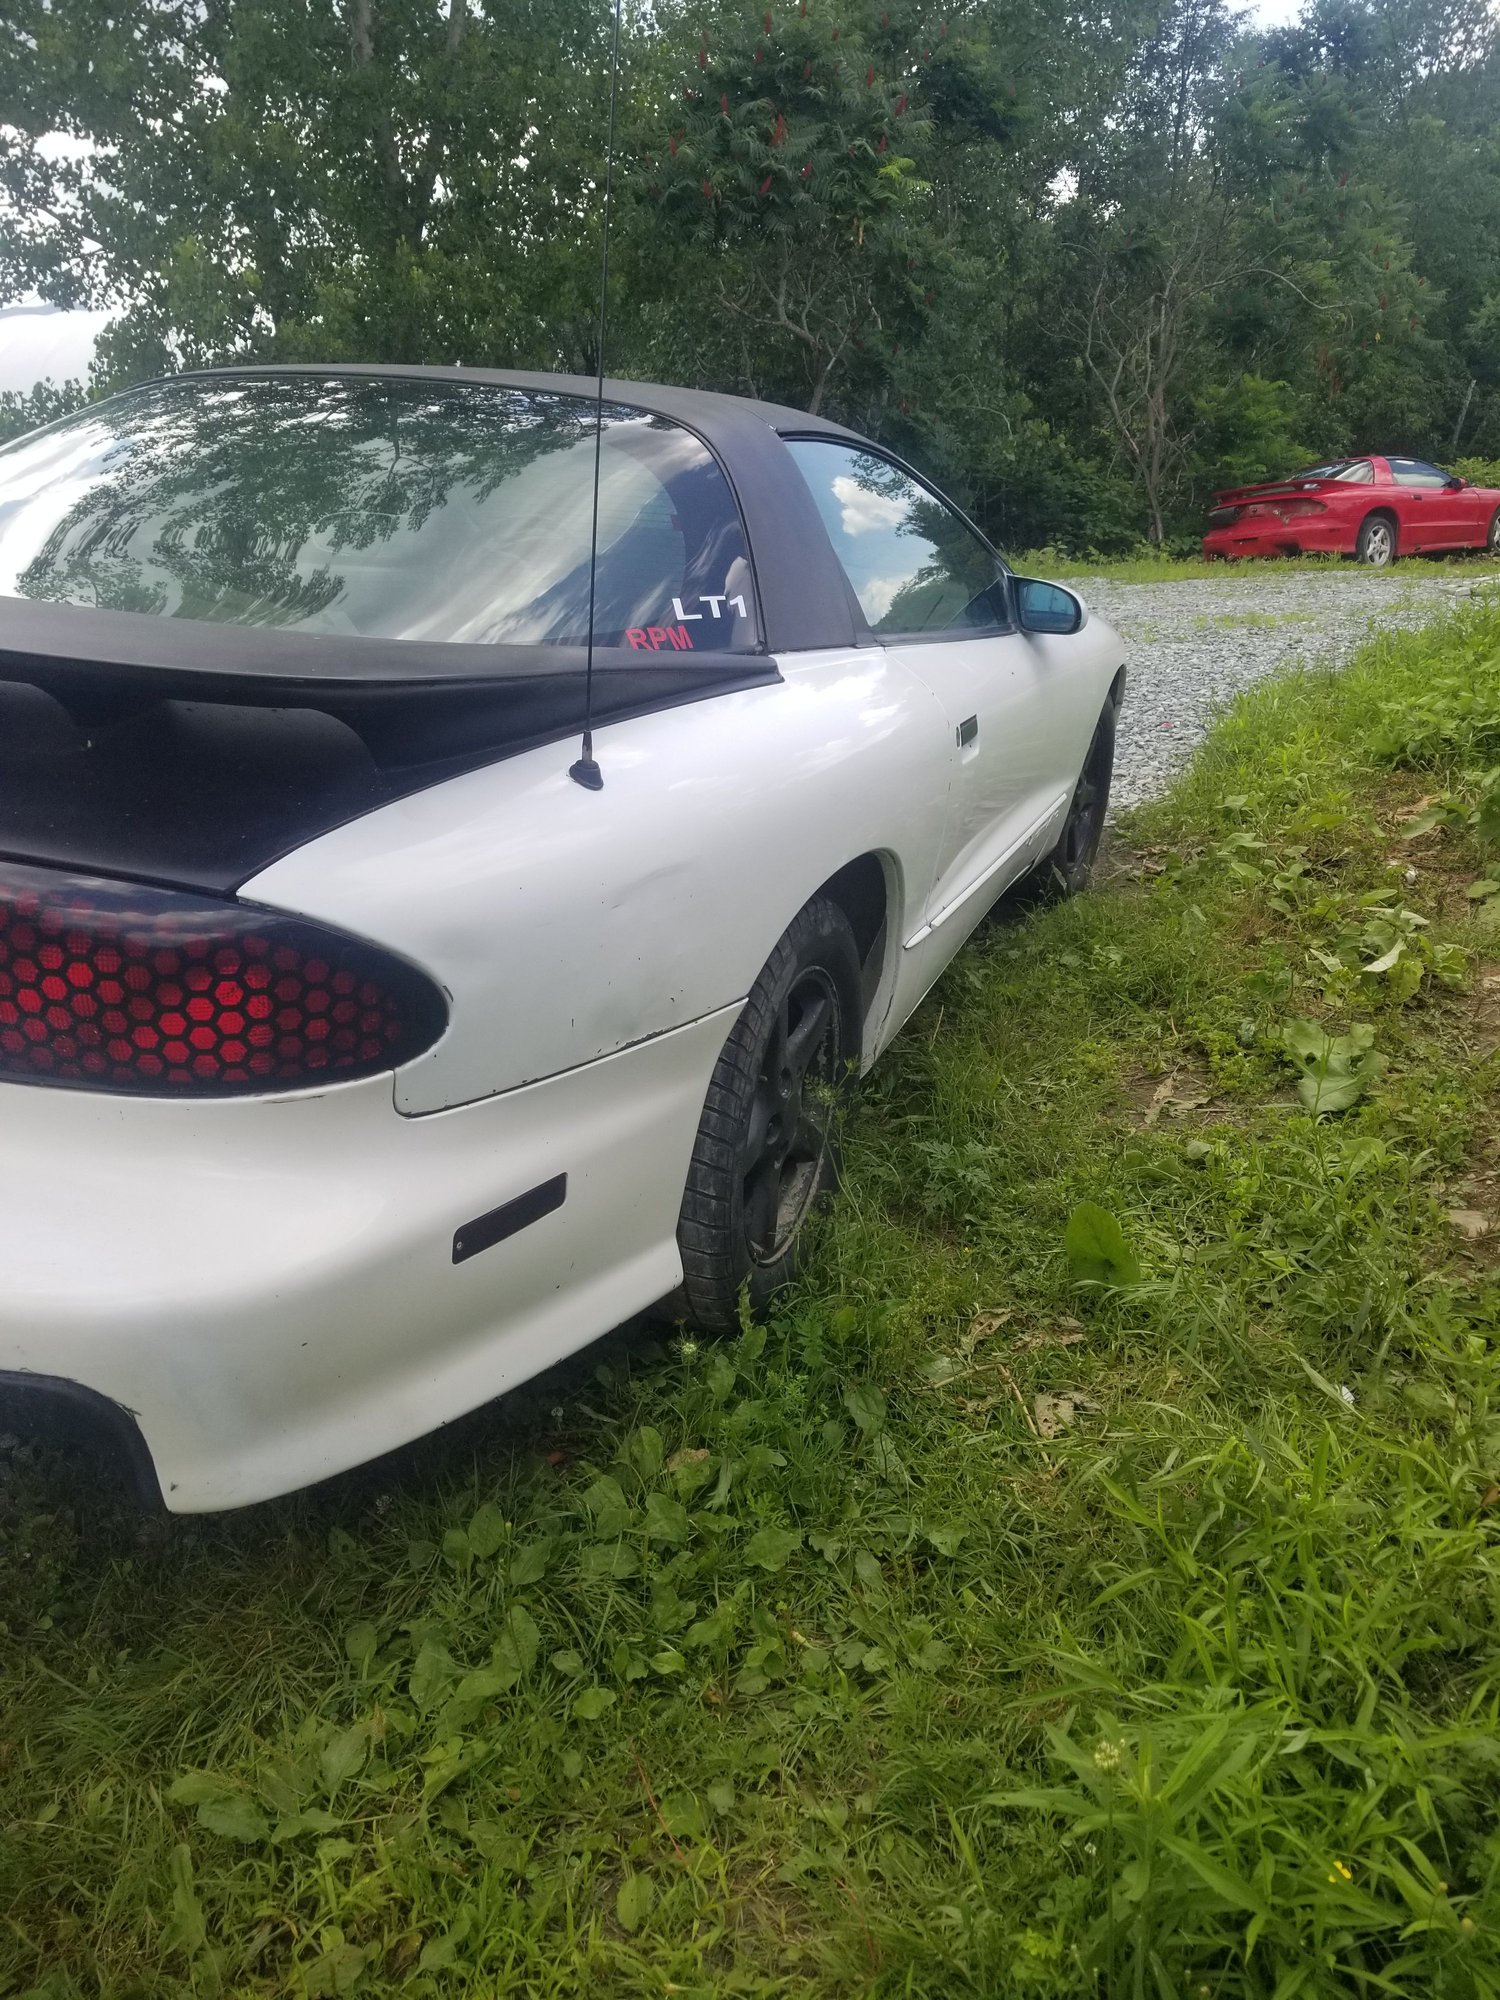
{"type": "Point", "coordinates": [565, 924]}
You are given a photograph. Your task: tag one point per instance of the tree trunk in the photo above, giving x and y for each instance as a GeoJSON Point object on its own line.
{"type": "Point", "coordinates": [1468, 398]}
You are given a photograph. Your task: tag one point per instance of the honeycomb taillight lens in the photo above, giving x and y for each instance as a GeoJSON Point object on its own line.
{"type": "Point", "coordinates": [115, 986]}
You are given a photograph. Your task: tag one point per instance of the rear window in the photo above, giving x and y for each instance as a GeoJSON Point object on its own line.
{"type": "Point", "coordinates": [372, 507]}
{"type": "Point", "coordinates": [1352, 471]}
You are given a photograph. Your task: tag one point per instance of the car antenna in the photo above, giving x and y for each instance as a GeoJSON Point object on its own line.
{"type": "Point", "coordinates": [586, 772]}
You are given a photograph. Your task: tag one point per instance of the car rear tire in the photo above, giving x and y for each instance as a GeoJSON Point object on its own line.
{"type": "Point", "coordinates": [1376, 547]}
{"type": "Point", "coordinates": [767, 1147]}
{"type": "Point", "coordinates": [1492, 539]}
{"type": "Point", "coordinates": [1069, 868]}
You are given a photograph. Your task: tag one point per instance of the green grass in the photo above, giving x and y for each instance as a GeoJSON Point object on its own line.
{"type": "Point", "coordinates": [1154, 566]}
{"type": "Point", "coordinates": [1257, 621]}
{"type": "Point", "coordinates": [831, 1660]}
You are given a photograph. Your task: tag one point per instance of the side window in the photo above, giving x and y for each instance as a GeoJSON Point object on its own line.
{"type": "Point", "coordinates": [917, 569]}
{"type": "Point", "coordinates": [1361, 473]}
{"type": "Point", "coordinates": [1416, 472]}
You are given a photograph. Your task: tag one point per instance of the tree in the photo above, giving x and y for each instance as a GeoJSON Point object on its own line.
{"type": "Point", "coordinates": [28, 411]}
{"type": "Point", "coordinates": [788, 160]}
{"type": "Point", "coordinates": [309, 178]}
{"type": "Point", "coordinates": [1082, 264]}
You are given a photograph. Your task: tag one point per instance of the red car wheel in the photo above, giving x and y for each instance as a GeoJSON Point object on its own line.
{"type": "Point", "coordinates": [1376, 547]}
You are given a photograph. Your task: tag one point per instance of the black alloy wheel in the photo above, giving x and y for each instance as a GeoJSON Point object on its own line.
{"type": "Point", "coordinates": [767, 1146]}
{"type": "Point", "coordinates": [791, 1116]}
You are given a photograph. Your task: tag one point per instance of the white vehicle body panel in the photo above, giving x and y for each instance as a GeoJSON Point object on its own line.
{"type": "Point", "coordinates": [268, 1284]}
{"type": "Point", "coordinates": [565, 924]}
{"type": "Point", "coordinates": [1000, 695]}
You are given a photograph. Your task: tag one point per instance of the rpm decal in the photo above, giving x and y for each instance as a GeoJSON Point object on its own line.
{"type": "Point", "coordinates": [651, 638]}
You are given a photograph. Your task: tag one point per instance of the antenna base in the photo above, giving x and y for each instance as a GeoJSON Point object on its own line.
{"type": "Point", "coordinates": [587, 773]}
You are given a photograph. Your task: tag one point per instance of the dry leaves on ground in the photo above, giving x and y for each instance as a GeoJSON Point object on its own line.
{"type": "Point", "coordinates": [1060, 1410]}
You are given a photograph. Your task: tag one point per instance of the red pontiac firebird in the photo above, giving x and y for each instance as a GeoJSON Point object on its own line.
{"type": "Point", "coordinates": [1371, 508]}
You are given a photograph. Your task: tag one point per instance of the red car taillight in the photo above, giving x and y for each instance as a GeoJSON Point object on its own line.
{"type": "Point", "coordinates": [115, 986]}
{"type": "Point", "coordinates": [1281, 510]}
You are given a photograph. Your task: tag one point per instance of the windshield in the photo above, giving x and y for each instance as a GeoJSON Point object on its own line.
{"type": "Point", "coordinates": [377, 507]}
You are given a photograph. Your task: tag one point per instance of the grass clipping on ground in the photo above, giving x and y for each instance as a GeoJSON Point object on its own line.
{"type": "Point", "coordinates": [1086, 1585]}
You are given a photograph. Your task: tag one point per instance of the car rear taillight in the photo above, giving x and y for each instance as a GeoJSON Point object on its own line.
{"type": "Point", "coordinates": [115, 986]}
{"type": "Point", "coordinates": [1281, 510]}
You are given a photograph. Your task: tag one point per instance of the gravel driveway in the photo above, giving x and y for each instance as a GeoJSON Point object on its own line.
{"type": "Point", "coordinates": [1191, 647]}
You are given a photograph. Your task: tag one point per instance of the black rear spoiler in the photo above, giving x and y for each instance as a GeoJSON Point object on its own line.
{"type": "Point", "coordinates": [175, 750]}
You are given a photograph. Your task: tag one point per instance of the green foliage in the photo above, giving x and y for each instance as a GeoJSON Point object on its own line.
{"type": "Point", "coordinates": [1451, 723]}
{"type": "Point", "coordinates": [1098, 1253]}
{"type": "Point", "coordinates": [791, 165]}
{"type": "Point", "coordinates": [20, 413]}
{"type": "Point", "coordinates": [1084, 277]}
{"type": "Point", "coordinates": [1335, 1068]}
{"type": "Point", "coordinates": [310, 182]}
{"type": "Point", "coordinates": [1251, 429]}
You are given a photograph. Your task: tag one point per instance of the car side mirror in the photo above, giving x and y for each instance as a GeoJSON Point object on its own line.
{"type": "Point", "coordinates": [1454, 484]}
{"type": "Point", "coordinates": [1046, 607]}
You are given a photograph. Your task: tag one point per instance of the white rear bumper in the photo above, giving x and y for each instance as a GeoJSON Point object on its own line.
{"type": "Point", "coordinates": [268, 1285]}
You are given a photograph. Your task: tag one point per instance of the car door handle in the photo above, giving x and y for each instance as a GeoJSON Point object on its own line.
{"type": "Point", "coordinates": [968, 732]}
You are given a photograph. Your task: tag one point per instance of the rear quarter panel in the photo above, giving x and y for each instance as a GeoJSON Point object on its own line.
{"type": "Point", "coordinates": [566, 924]}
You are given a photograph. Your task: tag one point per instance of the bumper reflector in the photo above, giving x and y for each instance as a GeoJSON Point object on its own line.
{"type": "Point", "coordinates": [485, 1231]}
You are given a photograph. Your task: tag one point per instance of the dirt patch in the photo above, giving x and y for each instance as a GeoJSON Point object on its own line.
{"type": "Point", "coordinates": [1487, 1008]}
{"type": "Point", "coordinates": [1184, 1095]}
{"type": "Point", "coordinates": [1433, 860]}
{"type": "Point", "coordinates": [1471, 1201]}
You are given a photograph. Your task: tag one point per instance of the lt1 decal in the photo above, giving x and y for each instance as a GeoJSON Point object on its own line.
{"type": "Point", "coordinates": [651, 638]}
{"type": "Point", "coordinates": [713, 603]}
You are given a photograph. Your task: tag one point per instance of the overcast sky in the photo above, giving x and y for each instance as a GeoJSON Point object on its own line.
{"type": "Point", "coordinates": [38, 344]}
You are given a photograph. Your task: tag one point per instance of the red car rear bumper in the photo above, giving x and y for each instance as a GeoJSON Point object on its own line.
{"type": "Point", "coordinates": [1297, 537]}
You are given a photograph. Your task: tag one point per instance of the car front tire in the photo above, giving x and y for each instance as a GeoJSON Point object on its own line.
{"type": "Point", "coordinates": [1069, 868]}
{"type": "Point", "coordinates": [767, 1146]}
{"type": "Point", "coordinates": [1492, 540]}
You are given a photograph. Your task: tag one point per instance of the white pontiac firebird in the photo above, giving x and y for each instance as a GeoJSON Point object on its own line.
{"type": "Point", "coordinates": [355, 1062]}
